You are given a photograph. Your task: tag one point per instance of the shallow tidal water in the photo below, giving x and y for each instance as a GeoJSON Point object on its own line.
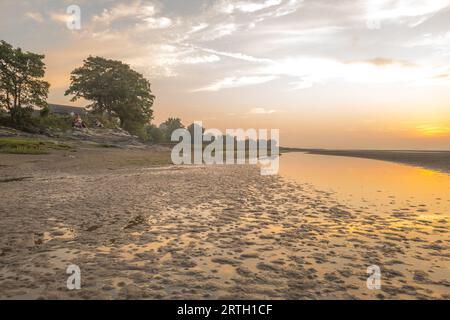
{"type": "Point", "coordinates": [372, 184]}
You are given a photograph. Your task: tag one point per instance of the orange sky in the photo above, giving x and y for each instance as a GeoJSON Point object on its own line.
{"type": "Point", "coordinates": [364, 74]}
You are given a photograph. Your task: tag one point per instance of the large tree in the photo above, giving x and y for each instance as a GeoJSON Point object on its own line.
{"type": "Point", "coordinates": [113, 87]}
{"type": "Point", "coordinates": [21, 86]}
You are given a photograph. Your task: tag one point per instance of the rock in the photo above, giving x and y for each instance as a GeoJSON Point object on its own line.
{"type": "Point", "coordinates": [421, 276]}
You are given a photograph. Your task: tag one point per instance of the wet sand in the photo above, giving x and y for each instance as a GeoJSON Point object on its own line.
{"type": "Point", "coordinates": [207, 232]}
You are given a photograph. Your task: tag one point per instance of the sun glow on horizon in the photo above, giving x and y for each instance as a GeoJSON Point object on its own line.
{"type": "Point", "coordinates": [432, 130]}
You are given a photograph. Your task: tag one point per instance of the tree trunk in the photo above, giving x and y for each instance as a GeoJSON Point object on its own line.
{"type": "Point", "coordinates": [7, 100]}
{"type": "Point", "coordinates": [19, 93]}
{"type": "Point", "coordinates": [15, 96]}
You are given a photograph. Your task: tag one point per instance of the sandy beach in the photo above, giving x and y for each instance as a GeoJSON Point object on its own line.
{"type": "Point", "coordinates": [141, 230]}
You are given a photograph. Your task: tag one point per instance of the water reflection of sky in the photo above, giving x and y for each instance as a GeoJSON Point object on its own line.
{"type": "Point", "coordinates": [371, 183]}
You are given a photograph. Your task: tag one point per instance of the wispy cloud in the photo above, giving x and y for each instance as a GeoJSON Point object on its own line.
{"type": "Point", "coordinates": [261, 111]}
{"type": "Point", "coordinates": [139, 14]}
{"type": "Point", "coordinates": [60, 17]}
{"type": "Point", "coordinates": [237, 55]}
{"type": "Point", "coordinates": [410, 12]}
{"type": "Point", "coordinates": [383, 62]}
{"type": "Point", "coordinates": [202, 59]}
{"type": "Point", "coordinates": [234, 82]}
{"type": "Point", "coordinates": [249, 6]}
{"type": "Point", "coordinates": [36, 16]}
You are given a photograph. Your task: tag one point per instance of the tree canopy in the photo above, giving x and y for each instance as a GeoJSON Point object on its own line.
{"type": "Point", "coordinates": [21, 86]}
{"type": "Point", "coordinates": [113, 87]}
{"type": "Point", "coordinates": [155, 134]}
{"type": "Point", "coordinates": [169, 126]}
{"type": "Point", "coordinates": [193, 127]}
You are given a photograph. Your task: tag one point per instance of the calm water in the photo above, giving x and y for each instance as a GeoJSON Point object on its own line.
{"type": "Point", "coordinates": [371, 183]}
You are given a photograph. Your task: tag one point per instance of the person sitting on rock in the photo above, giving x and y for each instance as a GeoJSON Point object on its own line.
{"type": "Point", "coordinates": [78, 122]}
{"type": "Point", "coordinates": [98, 124]}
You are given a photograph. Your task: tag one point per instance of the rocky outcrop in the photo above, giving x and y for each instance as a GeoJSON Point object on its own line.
{"type": "Point", "coordinates": [105, 137]}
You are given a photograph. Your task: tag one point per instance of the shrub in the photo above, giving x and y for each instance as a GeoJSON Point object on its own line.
{"type": "Point", "coordinates": [155, 134]}
{"type": "Point", "coordinates": [45, 111]}
{"type": "Point", "coordinates": [136, 129]}
{"type": "Point", "coordinates": [22, 117]}
{"type": "Point", "coordinates": [53, 122]}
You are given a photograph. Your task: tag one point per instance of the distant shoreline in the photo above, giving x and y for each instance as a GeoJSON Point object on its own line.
{"type": "Point", "coordinates": [434, 160]}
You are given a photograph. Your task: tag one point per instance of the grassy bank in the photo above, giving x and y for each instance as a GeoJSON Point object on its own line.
{"type": "Point", "coordinates": [14, 145]}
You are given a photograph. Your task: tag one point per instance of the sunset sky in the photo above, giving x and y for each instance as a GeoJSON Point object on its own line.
{"type": "Point", "coordinates": [334, 74]}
